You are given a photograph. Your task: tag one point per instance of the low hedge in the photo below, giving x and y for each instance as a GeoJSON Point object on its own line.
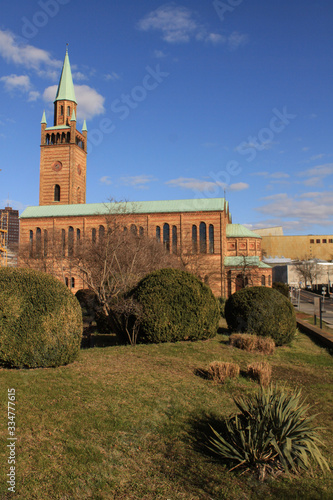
{"type": "Point", "coordinates": [262, 311]}
{"type": "Point", "coordinates": [40, 320]}
{"type": "Point", "coordinates": [176, 306]}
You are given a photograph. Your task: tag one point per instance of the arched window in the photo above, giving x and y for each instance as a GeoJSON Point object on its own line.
{"type": "Point", "coordinates": [61, 111]}
{"type": "Point", "coordinates": [47, 139]}
{"type": "Point", "coordinates": [31, 243]}
{"type": "Point", "coordinates": [46, 241]}
{"type": "Point", "coordinates": [70, 241]}
{"type": "Point", "coordinates": [52, 139]}
{"type": "Point", "coordinates": [101, 233]}
{"type": "Point", "coordinates": [38, 241]}
{"type": "Point", "coordinates": [203, 237]}
{"type": "Point", "coordinates": [239, 282]}
{"type": "Point", "coordinates": [125, 229]}
{"type": "Point", "coordinates": [269, 280]}
{"type": "Point", "coordinates": [263, 280]}
{"type": "Point", "coordinates": [166, 236]}
{"type": "Point", "coordinates": [194, 239]}
{"type": "Point", "coordinates": [93, 235]}
{"type": "Point", "coordinates": [58, 138]}
{"type": "Point", "coordinates": [158, 233]}
{"type": "Point", "coordinates": [66, 281]}
{"type": "Point", "coordinates": [174, 239]}
{"type": "Point", "coordinates": [63, 242]}
{"type": "Point", "coordinates": [72, 282]}
{"type": "Point", "coordinates": [68, 137]}
{"type": "Point", "coordinates": [134, 229]}
{"type": "Point", "coordinates": [57, 192]}
{"type": "Point", "coordinates": [141, 231]}
{"type": "Point", "coordinates": [78, 235]}
{"type": "Point", "coordinates": [63, 137]}
{"type": "Point", "coordinates": [211, 238]}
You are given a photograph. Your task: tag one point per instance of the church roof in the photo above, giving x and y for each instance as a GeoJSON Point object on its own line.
{"type": "Point", "coordinates": [139, 207]}
{"type": "Point", "coordinates": [66, 87]}
{"type": "Point", "coordinates": [239, 231]}
{"type": "Point", "coordinates": [240, 261]}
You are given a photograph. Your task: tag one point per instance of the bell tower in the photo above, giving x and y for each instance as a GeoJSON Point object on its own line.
{"type": "Point", "coordinates": [63, 158]}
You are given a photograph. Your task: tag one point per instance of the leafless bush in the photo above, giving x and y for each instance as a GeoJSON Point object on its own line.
{"type": "Point", "coordinates": [219, 371]}
{"type": "Point", "coordinates": [252, 343]}
{"type": "Point", "coordinates": [260, 371]}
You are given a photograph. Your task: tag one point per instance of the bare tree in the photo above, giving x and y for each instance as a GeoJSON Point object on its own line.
{"type": "Point", "coordinates": [308, 270]}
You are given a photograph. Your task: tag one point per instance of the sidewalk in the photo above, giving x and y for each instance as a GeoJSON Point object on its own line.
{"type": "Point", "coordinates": [308, 308]}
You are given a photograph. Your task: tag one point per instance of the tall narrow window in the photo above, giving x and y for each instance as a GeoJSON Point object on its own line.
{"type": "Point", "coordinates": [101, 233]}
{"type": "Point", "coordinates": [141, 231]}
{"type": "Point", "coordinates": [72, 282]}
{"type": "Point", "coordinates": [194, 239]}
{"type": "Point", "coordinates": [57, 192]}
{"type": "Point", "coordinates": [158, 233]}
{"type": "Point", "coordinates": [61, 110]}
{"type": "Point", "coordinates": [134, 229]}
{"type": "Point", "coordinates": [78, 235]}
{"type": "Point", "coordinates": [269, 280]}
{"type": "Point", "coordinates": [31, 243]}
{"type": "Point", "coordinates": [93, 235]}
{"type": "Point", "coordinates": [166, 236]}
{"type": "Point", "coordinates": [70, 241]}
{"type": "Point", "coordinates": [38, 241]}
{"type": "Point", "coordinates": [68, 111]}
{"type": "Point", "coordinates": [66, 281]}
{"type": "Point", "coordinates": [63, 242]}
{"type": "Point", "coordinates": [174, 239]}
{"type": "Point", "coordinates": [203, 237]}
{"type": "Point", "coordinates": [46, 242]}
{"type": "Point", "coordinates": [211, 238]}
{"type": "Point", "coordinates": [263, 280]}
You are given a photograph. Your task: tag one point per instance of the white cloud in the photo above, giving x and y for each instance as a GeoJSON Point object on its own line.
{"type": "Point", "coordinates": [273, 175]}
{"type": "Point", "coordinates": [33, 95]}
{"type": "Point", "coordinates": [159, 54]}
{"type": "Point", "coordinates": [317, 157]}
{"type": "Point", "coordinates": [137, 181]}
{"type": "Point", "coordinates": [105, 180]}
{"type": "Point", "coordinates": [319, 170]}
{"type": "Point", "coordinates": [78, 76]}
{"type": "Point", "coordinates": [204, 186]}
{"type": "Point", "coordinates": [297, 211]}
{"type": "Point", "coordinates": [16, 82]}
{"type": "Point", "coordinates": [90, 102]}
{"type": "Point", "coordinates": [112, 76]}
{"type": "Point", "coordinates": [179, 24]}
{"type": "Point", "coordinates": [25, 55]}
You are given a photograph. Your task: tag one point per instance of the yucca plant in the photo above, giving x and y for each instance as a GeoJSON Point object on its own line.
{"type": "Point", "coordinates": [272, 433]}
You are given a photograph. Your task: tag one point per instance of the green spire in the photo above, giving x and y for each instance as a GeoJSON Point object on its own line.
{"type": "Point", "coordinates": [44, 118]}
{"type": "Point", "coordinates": [66, 87]}
{"type": "Point", "coordinates": [84, 128]}
{"type": "Point", "coordinates": [73, 119]}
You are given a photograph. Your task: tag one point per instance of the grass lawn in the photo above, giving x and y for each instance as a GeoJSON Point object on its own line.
{"type": "Point", "coordinates": [125, 422]}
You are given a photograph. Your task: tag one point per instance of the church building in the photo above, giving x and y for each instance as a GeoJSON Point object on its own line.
{"type": "Point", "coordinates": [228, 255]}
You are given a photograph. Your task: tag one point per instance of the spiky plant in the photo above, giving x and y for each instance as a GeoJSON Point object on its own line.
{"type": "Point", "coordinates": [271, 433]}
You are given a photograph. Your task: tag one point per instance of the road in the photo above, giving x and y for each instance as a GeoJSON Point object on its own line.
{"type": "Point", "coordinates": [306, 304]}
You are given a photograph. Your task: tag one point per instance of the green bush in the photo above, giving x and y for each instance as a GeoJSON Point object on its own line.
{"type": "Point", "coordinates": [40, 320]}
{"type": "Point", "coordinates": [262, 311]}
{"type": "Point", "coordinates": [221, 302]}
{"type": "Point", "coordinates": [271, 433]}
{"type": "Point", "coordinates": [281, 287]}
{"type": "Point", "coordinates": [176, 306]}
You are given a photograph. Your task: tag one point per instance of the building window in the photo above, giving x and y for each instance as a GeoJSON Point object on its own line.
{"type": "Point", "coordinates": [72, 282]}
{"type": "Point", "coordinates": [194, 239]}
{"type": "Point", "coordinates": [70, 241]}
{"type": "Point", "coordinates": [93, 235]}
{"type": "Point", "coordinates": [330, 241]}
{"type": "Point", "coordinates": [66, 282]}
{"type": "Point", "coordinates": [61, 110]}
{"type": "Point", "coordinates": [68, 111]}
{"type": "Point", "coordinates": [203, 237]}
{"type": "Point", "coordinates": [263, 280]}
{"type": "Point", "coordinates": [158, 233]}
{"type": "Point", "coordinates": [57, 192]}
{"type": "Point", "coordinates": [31, 243]}
{"type": "Point", "coordinates": [101, 233]}
{"type": "Point", "coordinates": [46, 240]}
{"type": "Point", "coordinates": [324, 241]}
{"type": "Point", "coordinates": [166, 236]}
{"type": "Point", "coordinates": [317, 241]}
{"type": "Point", "coordinates": [211, 238]}
{"type": "Point", "coordinates": [63, 242]}
{"type": "Point", "coordinates": [134, 229]}
{"type": "Point", "coordinates": [125, 229]}
{"type": "Point", "coordinates": [38, 241]}
{"type": "Point", "coordinates": [78, 235]}
{"type": "Point", "coordinates": [269, 281]}
{"type": "Point", "coordinates": [311, 241]}
{"type": "Point", "coordinates": [174, 239]}
{"type": "Point", "coordinates": [141, 231]}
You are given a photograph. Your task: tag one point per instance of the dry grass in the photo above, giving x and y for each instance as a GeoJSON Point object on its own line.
{"type": "Point", "coordinates": [251, 343]}
{"type": "Point", "coordinates": [260, 371]}
{"type": "Point", "coordinates": [220, 371]}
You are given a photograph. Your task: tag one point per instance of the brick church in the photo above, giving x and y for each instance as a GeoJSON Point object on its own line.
{"type": "Point", "coordinates": [229, 255]}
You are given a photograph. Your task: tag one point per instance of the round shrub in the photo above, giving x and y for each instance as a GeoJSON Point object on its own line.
{"type": "Point", "coordinates": [176, 306]}
{"type": "Point", "coordinates": [40, 320]}
{"type": "Point", "coordinates": [281, 287]}
{"type": "Point", "coordinates": [262, 311]}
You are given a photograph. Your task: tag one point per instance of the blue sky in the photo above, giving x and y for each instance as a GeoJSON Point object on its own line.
{"type": "Point", "coordinates": [182, 100]}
